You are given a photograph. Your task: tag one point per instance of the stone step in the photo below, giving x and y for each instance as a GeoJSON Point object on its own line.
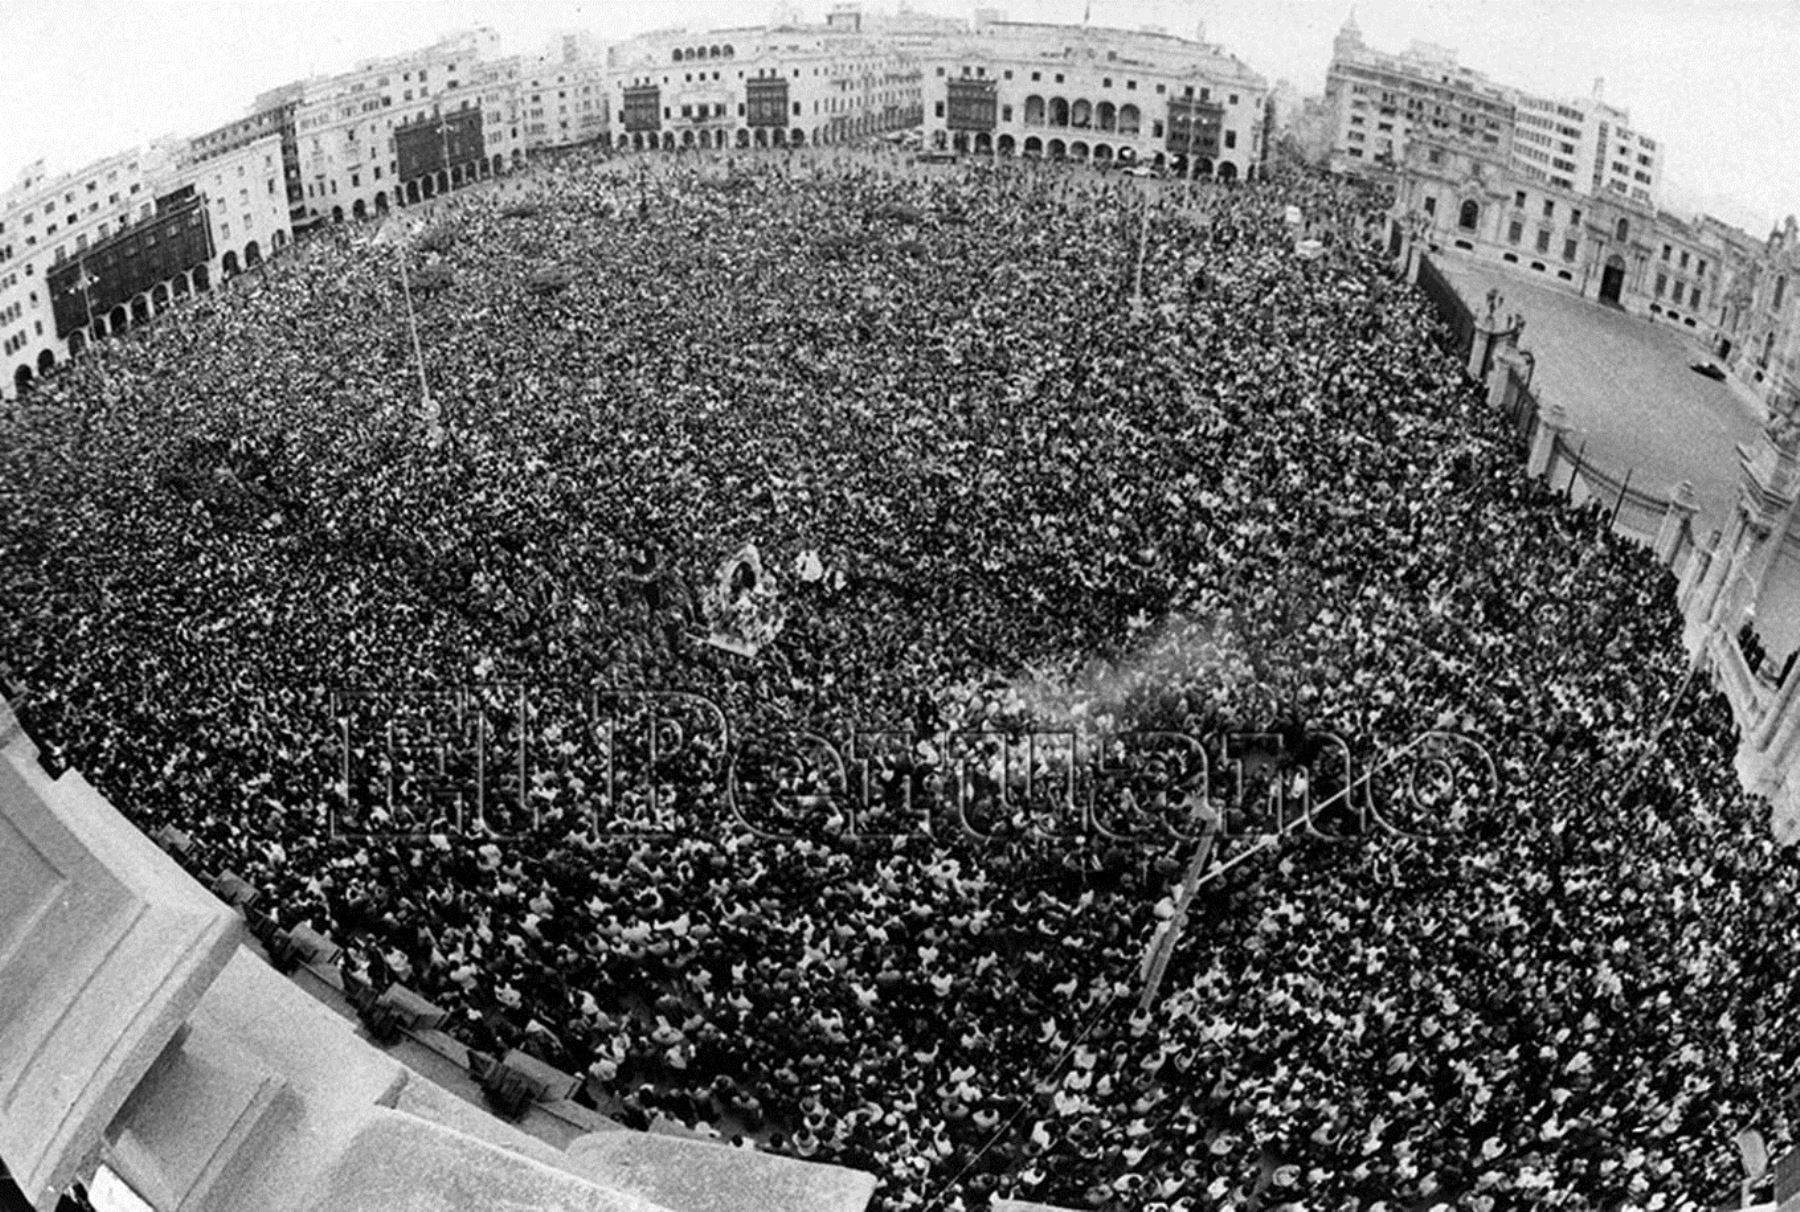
{"type": "Point", "coordinates": [205, 1104]}
{"type": "Point", "coordinates": [106, 946]}
{"type": "Point", "coordinates": [399, 1163]}
{"type": "Point", "coordinates": [688, 1175]}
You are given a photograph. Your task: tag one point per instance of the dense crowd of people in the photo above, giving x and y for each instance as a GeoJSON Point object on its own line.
{"type": "Point", "coordinates": [808, 894]}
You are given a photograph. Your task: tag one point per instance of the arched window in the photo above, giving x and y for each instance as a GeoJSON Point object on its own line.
{"type": "Point", "coordinates": [1622, 233]}
{"type": "Point", "coordinates": [1106, 116]}
{"type": "Point", "coordinates": [1081, 114]}
{"type": "Point", "coordinates": [678, 55]}
{"type": "Point", "coordinates": [1059, 112]}
{"type": "Point", "coordinates": [1470, 216]}
{"type": "Point", "coordinates": [1780, 292]}
{"type": "Point", "coordinates": [1129, 119]}
{"type": "Point", "coordinates": [1034, 111]}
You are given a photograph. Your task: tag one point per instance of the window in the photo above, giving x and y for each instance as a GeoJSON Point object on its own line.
{"type": "Point", "coordinates": [1431, 206]}
{"type": "Point", "coordinates": [1622, 232]}
{"type": "Point", "coordinates": [1574, 218]}
{"type": "Point", "coordinates": [1549, 208]}
{"type": "Point", "coordinates": [1684, 258]}
{"type": "Point", "coordinates": [1666, 251]}
{"type": "Point", "coordinates": [1230, 138]}
{"type": "Point", "coordinates": [1515, 231]}
{"type": "Point", "coordinates": [1662, 285]}
{"type": "Point", "coordinates": [1543, 240]}
{"type": "Point", "coordinates": [1570, 248]}
{"type": "Point", "coordinates": [1519, 199]}
{"type": "Point", "coordinates": [1694, 297]}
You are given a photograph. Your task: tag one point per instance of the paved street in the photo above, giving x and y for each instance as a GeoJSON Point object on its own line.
{"type": "Point", "coordinates": [1633, 400]}
{"type": "Point", "coordinates": [1627, 388]}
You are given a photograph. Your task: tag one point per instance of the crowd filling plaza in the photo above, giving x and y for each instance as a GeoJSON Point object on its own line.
{"type": "Point", "coordinates": [993, 492]}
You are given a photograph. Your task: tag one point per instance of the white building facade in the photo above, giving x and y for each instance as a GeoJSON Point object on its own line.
{"type": "Point", "coordinates": [92, 254]}
{"type": "Point", "coordinates": [1587, 147]}
{"type": "Point", "coordinates": [1099, 96]}
{"type": "Point", "coordinates": [447, 104]}
{"type": "Point", "coordinates": [1377, 101]}
{"type": "Point", "coordinates": [1456, 196]}
{"type": "Point", "coordinates": [783, 85]}
{"type": "Point", "coordinates": [563, 96]}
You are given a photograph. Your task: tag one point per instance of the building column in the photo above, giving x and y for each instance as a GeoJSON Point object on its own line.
{"type": "Point", "coordinates": [1676, 518]}
{"type": "Point", "coordinates": [1506, 364]}
{"type": "Point", "coordinates": [1552, 424]}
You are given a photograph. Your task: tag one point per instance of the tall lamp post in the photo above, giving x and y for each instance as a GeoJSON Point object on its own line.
{"type": "Point", "coordinates": [85, 283]}
{"type": "Point", "coordinates": [443, 129]}
{"type": "Point", "coordinates": [428, 408]}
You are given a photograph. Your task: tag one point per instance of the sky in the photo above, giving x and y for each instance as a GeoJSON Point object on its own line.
{"type": "Point", "coordinates": [1710, 78]}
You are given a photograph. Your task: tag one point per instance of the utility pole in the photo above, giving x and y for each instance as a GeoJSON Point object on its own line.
{"type": "Point", "coordinates": [86, 283]}
{"type": "Point", "coordinates": [412, 324]}
{"type": "Point", "coordinates": [1143, 244]}
{"type": "Point", "coordinates": [443, 126]}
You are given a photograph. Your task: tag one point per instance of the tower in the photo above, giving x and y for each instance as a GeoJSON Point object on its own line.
{"type": "Point", "coordinates": [1349, 38]}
